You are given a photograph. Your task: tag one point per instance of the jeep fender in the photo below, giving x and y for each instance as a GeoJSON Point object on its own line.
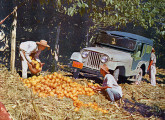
{"type": "Point", "coordinates": [76, 56]}
{"type": "Point", "coordinates": [143, 65]}
{"type": "Point", "coordinates": [111, 65]}
{"type": "Point", "coordinates": [114, 65]}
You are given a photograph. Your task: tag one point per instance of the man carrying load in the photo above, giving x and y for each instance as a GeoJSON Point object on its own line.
{"type": "Point", "coordinates": [31, 48]}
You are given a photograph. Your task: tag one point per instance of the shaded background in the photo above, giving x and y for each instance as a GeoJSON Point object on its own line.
{"type": "Point", "coordinates": [36, 22]}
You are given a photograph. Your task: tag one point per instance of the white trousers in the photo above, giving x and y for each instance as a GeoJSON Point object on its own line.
{"type": "Point", "coordinates": [152, 75]}
{"type": "Point", "coordinates": [24, 65]}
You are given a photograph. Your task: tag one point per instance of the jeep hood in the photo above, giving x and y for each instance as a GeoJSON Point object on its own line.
{"type": "Point", "coordinates": [115, 55]}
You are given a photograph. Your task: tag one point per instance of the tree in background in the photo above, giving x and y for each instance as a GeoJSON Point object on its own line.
{"type": "Point", "coordinates": [148, 14]}
{"type": "Point", "coordinates": [117, 13]}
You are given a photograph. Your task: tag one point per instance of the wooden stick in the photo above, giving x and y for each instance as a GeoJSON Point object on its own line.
{"type": "Point", "coordinates": [13, 42]}
{"type": "Point", "coordinates": [7, 17]}
{"type": "Point", "coordinates": [56, 50]}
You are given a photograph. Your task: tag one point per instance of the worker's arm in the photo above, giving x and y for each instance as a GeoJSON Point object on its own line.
{"type": "Point", "coordinates": [101, 88]}
{"type": "Point", "coordinates": [150, 65]}
{"type": "Point", "coordinates": [31, 48]}
{"type": "Point", "coordinates": [27, 56]}
{"type": "Point", "coordinates": [37, 56]}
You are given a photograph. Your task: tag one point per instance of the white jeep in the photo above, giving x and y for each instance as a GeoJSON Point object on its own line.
{"type": "Point", "coordinates": [124, 53]}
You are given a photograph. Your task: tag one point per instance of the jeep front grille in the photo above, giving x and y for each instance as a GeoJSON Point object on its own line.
{"type": "Point", "coordinates": [93, 60]}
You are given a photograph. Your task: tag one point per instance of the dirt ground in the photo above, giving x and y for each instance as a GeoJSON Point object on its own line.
{"type": "Point", "coordinates": [144, 102]}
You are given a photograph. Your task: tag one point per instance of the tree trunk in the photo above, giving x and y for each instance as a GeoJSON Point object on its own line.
{"type": "Point", "coordinates": [87, 39]}
{"type": "Point", "coordinates": [13, 42]}
{"type": "Point", "coordinates": [56, 52]}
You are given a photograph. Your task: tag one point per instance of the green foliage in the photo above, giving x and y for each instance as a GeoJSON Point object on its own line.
{"type": "Point", "coordinates": [118, 13]}
{"type": "Point", "coordinates": [115, 12]}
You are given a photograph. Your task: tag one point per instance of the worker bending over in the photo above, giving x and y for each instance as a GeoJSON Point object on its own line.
{"type": "Point", "coordinates": [31, 48]}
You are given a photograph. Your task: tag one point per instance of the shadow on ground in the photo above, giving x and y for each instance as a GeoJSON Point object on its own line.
{"type": "Point", "coordinates": [99, 79]}
{"type": "Point", "coordinates": [157, 81]}
{"type": "Point", "coordinates": [20, 73]}
{"type": "Point", "coordinates": [161, 76]}
{"type": "Point", "coordinates": [144, 110]}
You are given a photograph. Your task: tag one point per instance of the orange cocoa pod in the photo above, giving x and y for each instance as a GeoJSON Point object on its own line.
{"type": "Point", "coordinates": [90, 84]}
{"type": "Point", "coordinates": [76, 109]}
{"type": "Point", "coordinates": [51, 94]}
{"type": "Point", "coordinates": [40, 94]}
{"type": "Point", "coordinates": [100, 109]}
{"type": "Point", "coordinates": [105, 111]}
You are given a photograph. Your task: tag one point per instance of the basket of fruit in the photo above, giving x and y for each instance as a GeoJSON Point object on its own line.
{"type": "Point", "coordinates": [37, 68]}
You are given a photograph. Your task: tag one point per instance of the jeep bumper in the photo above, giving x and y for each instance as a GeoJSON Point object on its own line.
{"type": "Point", "coordinates": [86, 70]}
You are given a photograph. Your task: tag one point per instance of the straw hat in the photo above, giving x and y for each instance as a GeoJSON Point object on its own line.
{"type": "Point", "coordinates": [43, 43]}
{"type": "Point", "coordinates": [104, 68]}
{"type": "Point", "coordinates": [153, 50]}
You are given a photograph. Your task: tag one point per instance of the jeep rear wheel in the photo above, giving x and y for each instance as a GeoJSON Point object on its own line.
{"type": "Point", "coordinates": [139, 76]}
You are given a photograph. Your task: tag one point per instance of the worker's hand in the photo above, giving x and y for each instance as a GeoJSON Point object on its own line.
{"type": "Point", "coordinates": [42, 64]}
{"type": "Point", "coordinates": [39, 70]}
{"type": "Point", "coordinates": [39, 63]}
{"type": "Point", "coordinates": [96, 88]}
{"type": "Point", "coordinates": [33, 64]}
{"type": "Point", "coordinates": [1, 21]}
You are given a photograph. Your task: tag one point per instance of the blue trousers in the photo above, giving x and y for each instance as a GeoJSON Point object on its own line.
{"type": "Point", "coordinates": [113, 94]}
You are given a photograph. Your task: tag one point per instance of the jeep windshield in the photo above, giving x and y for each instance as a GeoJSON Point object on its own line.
{"type": "Point", "coordinates": [115, 41]}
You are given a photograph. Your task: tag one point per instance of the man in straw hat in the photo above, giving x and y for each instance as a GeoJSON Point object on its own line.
{"type": "Point", "coordinates": [110, 85]}
{"type": "Point", "coordinates": [152, 68]}
{"type": "Point", "coordinates": [28, 48]}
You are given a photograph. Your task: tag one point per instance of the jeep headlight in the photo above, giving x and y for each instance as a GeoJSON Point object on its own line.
{"type": "Point", "coordinates": [104, 59]}
{"type": "Point", "coordinates": [84, 54]}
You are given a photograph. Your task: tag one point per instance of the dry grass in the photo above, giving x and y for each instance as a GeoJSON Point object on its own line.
{"type": "Point", "coordinates": [22, 104]}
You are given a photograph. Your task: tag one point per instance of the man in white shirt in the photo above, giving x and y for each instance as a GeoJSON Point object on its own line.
{"type": "Point", "coordinates": [113, 90]}
{"type": "Point", "coordinates": [152, 68]}
{"type": "Point", "coordinates": [28, 48]}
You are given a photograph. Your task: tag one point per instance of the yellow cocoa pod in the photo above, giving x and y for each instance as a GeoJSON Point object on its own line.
{"type": "Point", "coordinates": [37, 66]}
{"type": "Point", "coordinates": [33, 61]}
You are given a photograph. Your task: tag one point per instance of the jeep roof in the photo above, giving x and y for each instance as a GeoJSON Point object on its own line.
{"type": "Point", "coordinates": [130, 36]}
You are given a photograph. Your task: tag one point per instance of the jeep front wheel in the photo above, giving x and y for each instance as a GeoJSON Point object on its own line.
{"type": "Point", "coordinates": [76, 72]}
